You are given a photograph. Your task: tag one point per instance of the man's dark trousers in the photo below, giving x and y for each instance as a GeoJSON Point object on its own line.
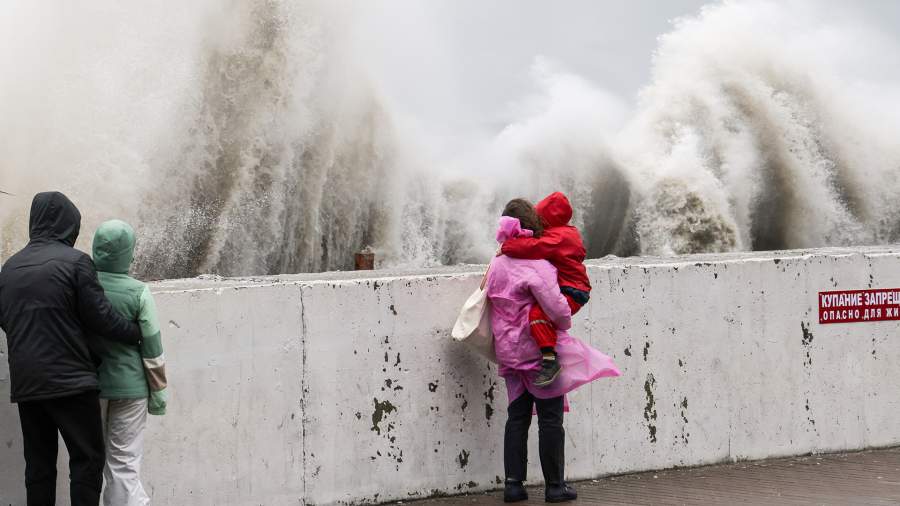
{"type": "Point", "coordinates": [77, 418]}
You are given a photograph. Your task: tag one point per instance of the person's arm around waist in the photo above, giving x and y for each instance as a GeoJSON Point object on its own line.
{"type": "Point", "coordinates": [152, 355]}
{"type": "Point", "coordinates": [94, 309]}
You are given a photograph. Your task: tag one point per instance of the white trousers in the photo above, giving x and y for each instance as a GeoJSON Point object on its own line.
{"type": "Point", "coordinates": [124, 421]}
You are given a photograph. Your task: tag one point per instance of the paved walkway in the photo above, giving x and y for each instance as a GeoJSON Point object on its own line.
{"type": "Point", "coordinates": [865, 478]}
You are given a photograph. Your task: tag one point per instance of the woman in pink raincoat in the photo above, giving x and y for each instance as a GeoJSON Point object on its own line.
{"type": "Point", "coordinates": [513, 286]}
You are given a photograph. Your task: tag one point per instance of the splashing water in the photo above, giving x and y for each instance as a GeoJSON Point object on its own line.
{"type": "Point", "coordinates": [749, 138]}
{"type": "Point", "coordinates": [258, 141]}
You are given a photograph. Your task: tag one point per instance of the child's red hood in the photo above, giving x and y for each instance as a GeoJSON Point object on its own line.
{"type": "Point", "coordinates": [555, 210]}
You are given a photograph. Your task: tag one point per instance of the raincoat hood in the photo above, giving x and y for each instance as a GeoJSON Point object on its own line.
{"type": "Point", "coordinates": [555, 210]}
{"type": "Point", "coordinates": [511, 228]}
{"type": "Point", "coordinates": [54, 218]}
{"type": "Point", "coordinates": [114, 247]}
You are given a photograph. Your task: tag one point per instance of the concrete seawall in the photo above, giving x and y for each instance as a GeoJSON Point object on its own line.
{"type": "Point", "coordinates": [346, 388]}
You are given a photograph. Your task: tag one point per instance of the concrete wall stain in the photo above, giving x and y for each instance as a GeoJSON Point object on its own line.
{"type": "Point", "coordinates": [650, 409]}
{"type": "Point", "coordinates": [489, 395]}
{"type": "Point", "coordinates": [461, 486]}
{"type": "Point", "coordinates": [463, 459]}
{"type": "Point", "coordinates": [807, 335]}
{"type": "Point", "coordinates": [685, 435]}
{"type": "Point", "coordinates": [381, 409]}
{"type": "Point", "coordinates": [465, 402]}
{"type": "Point", "coordinates": [809, 418]}
{"type": "Point", "coordinates": [807, 343]}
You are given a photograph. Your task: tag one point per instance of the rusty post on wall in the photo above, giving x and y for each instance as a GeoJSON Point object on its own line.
{"type": "Point", "coordinates": [365, 260]}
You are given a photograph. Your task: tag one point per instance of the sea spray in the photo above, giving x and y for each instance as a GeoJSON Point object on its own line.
{"type": "Point", "coordinates": [258, 139]}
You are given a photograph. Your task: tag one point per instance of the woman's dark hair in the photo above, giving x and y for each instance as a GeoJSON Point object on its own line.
{"type": "Point", "coordinates": [527, 216]}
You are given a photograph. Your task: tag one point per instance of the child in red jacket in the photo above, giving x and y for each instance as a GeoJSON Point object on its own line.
{"type": "Point", "coordinates": [561, 245]}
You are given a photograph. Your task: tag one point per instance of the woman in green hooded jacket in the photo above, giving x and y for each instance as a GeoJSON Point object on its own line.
{"type": "Point", "coordinates": [132, 378]}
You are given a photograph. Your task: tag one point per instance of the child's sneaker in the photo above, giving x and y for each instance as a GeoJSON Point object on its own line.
{"type": "Point", "coordinates": [550, 370]}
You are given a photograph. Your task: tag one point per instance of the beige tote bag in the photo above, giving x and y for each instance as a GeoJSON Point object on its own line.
{"type": "Point", "coordinates": [473, 326]}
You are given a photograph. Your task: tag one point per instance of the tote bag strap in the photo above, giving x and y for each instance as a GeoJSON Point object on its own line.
{"type": "Point", "coordinates": [484, 279]}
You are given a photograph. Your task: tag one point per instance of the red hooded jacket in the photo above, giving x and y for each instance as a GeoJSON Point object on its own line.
{"type": "Point", "coordinates": [560, 243]}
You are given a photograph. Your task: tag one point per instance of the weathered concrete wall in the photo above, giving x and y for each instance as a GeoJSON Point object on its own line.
{"type": "Point", "coordinates": [342, 388]}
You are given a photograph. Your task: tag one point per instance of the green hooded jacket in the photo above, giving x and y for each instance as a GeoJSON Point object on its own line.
{"type": "Point", "coordinates": [128, 372]}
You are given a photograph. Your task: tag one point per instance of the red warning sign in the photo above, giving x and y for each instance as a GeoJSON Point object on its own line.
{"type": "Point", "coordinates": [859, 306]}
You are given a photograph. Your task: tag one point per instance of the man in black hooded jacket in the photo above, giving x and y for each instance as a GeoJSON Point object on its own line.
{"type": "Point", "coordinates": [50, 305]}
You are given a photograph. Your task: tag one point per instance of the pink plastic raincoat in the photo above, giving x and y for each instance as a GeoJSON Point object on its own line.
{"type": "Point", "coordinates": [513, 286]}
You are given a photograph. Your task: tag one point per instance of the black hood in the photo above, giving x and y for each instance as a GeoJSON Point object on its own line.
{"type": "Point", "coordinates": [54, 217]}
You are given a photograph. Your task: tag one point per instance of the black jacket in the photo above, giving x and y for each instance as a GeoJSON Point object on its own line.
{"type": "Point", "coordinates": [50, 305]}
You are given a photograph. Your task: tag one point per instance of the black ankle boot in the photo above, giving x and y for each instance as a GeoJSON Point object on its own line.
{"type": "Point", "coordinates": [514, 492]}
{"type": "Point", "coordinates": [560, 493]}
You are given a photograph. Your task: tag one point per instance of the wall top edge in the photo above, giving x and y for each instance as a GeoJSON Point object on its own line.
{"type": "Point", "coordinates": [212, 282]}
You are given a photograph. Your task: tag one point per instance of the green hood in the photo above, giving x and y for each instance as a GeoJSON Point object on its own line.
{"type": "Point", "coordinates": [114, 247]}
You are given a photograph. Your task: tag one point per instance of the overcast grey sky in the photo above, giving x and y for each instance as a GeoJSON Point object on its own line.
{"type": "Point", "coordinates": [458, 60]}
{"type": "Point", "coordinates": [609, 42]}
